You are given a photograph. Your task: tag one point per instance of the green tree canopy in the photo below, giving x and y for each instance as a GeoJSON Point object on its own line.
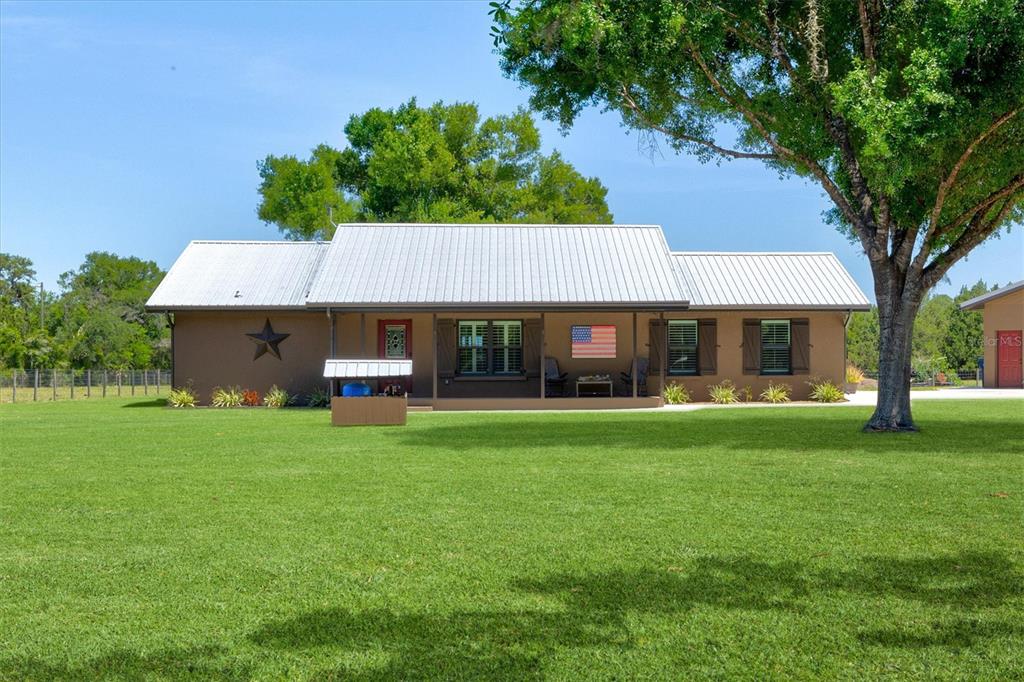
{"type": "Point", "coordinates": [907, 114]}
{"type": "Point", "coordinates": [103, 320]}
{"type": "Point", "coordinates": [436, 164]}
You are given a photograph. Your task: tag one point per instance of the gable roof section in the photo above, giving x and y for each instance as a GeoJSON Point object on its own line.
{"type": "Point", "coordinates": [498, 266]}
{"type": "Point", "coordinates": [978, 302]}
{"type": "Point", "coordinates": [768, 281]}
{"type": "Point", "coordinates": [239, 274]}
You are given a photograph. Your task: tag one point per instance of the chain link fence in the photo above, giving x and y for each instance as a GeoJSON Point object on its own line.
{"type": "Point", "coordinates": [33, 385]}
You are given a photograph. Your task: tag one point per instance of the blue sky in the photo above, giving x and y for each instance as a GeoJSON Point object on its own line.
{"type": "Point", "coordinates": [135, 128]}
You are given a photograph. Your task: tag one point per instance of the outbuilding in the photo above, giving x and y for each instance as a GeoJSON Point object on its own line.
{"type": "Point", "coordinates": [506, 316]}
{"type": "Point", "coordinates": [1003, 314]}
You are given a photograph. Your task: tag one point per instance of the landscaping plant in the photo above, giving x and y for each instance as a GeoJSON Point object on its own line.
{"type": "Point", "coordinates": [824, 391]}
{"type": "Point", "coordinates": [318, 397]}
{"type": "Point", "coordinates": [251, 398]}
{"type": "Point", "coordinates": [277, 397]}
{"type": "Point", "coordinates": [724, 393]}
{"type": "Point", "coordinates": [183, 396]}
{"type": "Point", "coordinates": [854, 375]}
{"type": "Point", "coordinates": [676, 394]}
{"type": "Point", "coordinates": [776, 393]}
{"type": "Point", "coordinates": [226, 397]}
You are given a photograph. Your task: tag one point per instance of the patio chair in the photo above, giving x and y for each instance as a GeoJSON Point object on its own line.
{"type": "Point", "coordinates": [642, 367]}
{"type": "Point", "coordinates": [554, 380]}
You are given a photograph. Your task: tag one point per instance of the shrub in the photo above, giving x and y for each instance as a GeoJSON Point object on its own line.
{"type": "Point", "coordinates": [277, 397]}
{"type": "Point", "coordinates": [724, 393]}
{"type": "Point", "coordinates": [319, 397]}
{"type": "Point", "coordinates": [183, 396]}
{"type": "Point", "coordinates": [251, 398]}
{"type": "Point", "coordinates": [776, 393]}
{"type": "Point", "coordinates": [747, 393]}
{"type": "Point", "coordinates": [824, 391]}
{"type": "Point", "coordinates": [854, 375]}
{"type": "Point", "coordinates": [676, 394]}
{"type": "Point", "coordinates": [226, 397]}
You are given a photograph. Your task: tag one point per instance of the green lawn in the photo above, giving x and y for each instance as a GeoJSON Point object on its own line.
{"type": "Point", "coordinates": [137, 541]}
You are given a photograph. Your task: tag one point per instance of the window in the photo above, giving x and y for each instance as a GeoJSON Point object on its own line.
{"type": "Point", "coordinates": [682, 347]}
{"type": "Point", "coordinates": [507, 344]}
{"type": "Point", "coordinates": [490, 347]}
{"type": "Point", "coordinates": [775, 341]}
{"type": "Point", "coordinates": [394, 341]}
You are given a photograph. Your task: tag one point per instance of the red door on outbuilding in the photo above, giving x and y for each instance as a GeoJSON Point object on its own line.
{"type": "Point", "coordinates": [1008, 359]}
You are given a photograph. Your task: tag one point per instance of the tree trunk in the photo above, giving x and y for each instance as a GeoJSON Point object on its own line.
{"type": "Point", "coordinates": [898, 303]}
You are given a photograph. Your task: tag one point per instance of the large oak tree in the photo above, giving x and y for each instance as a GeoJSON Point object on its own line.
{"type": "Point", "coordinates": [907, 114]}
{"type": "Point", "coordinates": [441, 163]}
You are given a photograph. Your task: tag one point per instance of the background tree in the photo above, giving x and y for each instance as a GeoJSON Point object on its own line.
{"type": "Point", "coordinates": [946, 338]}
{"type": "Point", "coordinates": [965, 338]}
{"type": "Point", "coordinates": [907, 114]}
{"type": "Point", "coordinates": [103, 320]}
{"type": "Point", "coordinates": [24, 340]}
{"type": "Point", "coordinates": [862, 340]}
{"type": "Point", "coordinates": [434, 164]}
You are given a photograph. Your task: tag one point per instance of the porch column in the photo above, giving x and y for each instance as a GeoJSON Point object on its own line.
{"type": "Point", "coordinates": [362, 335]}
{"type": "Point", "coordinates": [543, 369]}
{"type": "Point", "coordinates": [333, 344]}
{"type": "Point", "coordinates": [664, 353]}
{"type": "Point", "coordinates": [334, 335]}
{"type": "Point", "coordinates": [633, 371]}
{"type": "Point", "coordinates": [433, 372]}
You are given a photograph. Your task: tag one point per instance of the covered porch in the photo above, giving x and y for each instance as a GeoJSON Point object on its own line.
{"type": "Point", "coordinates": [500, 359]}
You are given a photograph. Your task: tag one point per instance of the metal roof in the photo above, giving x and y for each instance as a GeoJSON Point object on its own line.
{"type": "Point", "coordinates": [366, 369]}
{"type": "Point", "coordinates": [979, 301]}
{"type": "Point", "coordinates": [768, 281]}
{"type": "Point", "coordinates": [409, 266]}
{"type": "Point", "coordinates": [240, 274]}
{"type": "Point", "coordinates": [414, 265]}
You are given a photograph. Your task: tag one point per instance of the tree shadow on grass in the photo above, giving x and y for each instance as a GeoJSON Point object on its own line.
{"type": "Point", "coordinates": [156, 402]}
{"type": "Point", "coordinates": [204, 663]}
{"type": "Point", "coordinates": [780, 429]}
{"type": "Point", "coordinates": [593, 612]}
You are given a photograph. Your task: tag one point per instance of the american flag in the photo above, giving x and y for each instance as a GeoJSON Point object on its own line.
{"type": "Point", "coordinates": [593, 341]}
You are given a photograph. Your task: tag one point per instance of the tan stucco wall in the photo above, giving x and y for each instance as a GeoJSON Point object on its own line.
{"type": "Point", "coordinates": [212, 349]}
{"type": "Point", "coordinates": [1005, 313]}
{"type": "Point", "coordinates": [827, 337]}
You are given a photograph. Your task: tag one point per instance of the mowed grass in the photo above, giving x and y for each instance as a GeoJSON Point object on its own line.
{"type": "Point", "coordinates": [142, 542]}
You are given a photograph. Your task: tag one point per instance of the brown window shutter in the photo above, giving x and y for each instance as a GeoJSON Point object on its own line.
{"type": "Point", "coordinates": [446, 348]}
{"type": "Point", "coordinates": [751, 346]}
{"type": "Point", "coordinates": [707, 346]}
{"type": "Point", "coordinates": [531, 347]}
{"type": "Point", "coordinates": [800, 346]}
{"type": "Point", "coordinates": [656, 345]}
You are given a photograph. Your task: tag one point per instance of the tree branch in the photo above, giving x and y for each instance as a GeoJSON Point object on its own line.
{"type": "Point", "coordinates": [635, 108]}
{"type": "Point", "coordinates": [1015, 183]}
{"type": "Point", "coordinates": [945, 185]}
{"type": "Point", "coordinates": [781, 150]}
{"type": "Point", "coordinates": [868, 23]}
{"type": "Point", "coordinates": [977, 231]}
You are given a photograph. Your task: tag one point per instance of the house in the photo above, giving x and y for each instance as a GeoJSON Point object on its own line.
{"type": "Point", "coordinates": [484, 311]}
{"type": "Point", "coordinates": [1003, 315]}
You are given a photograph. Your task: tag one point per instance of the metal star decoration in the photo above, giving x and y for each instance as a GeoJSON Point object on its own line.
{"type": "Point", "coordinates": [267, 340]}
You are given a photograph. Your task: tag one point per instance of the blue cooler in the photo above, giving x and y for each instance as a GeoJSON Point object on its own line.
{"type": "Point", "coordinates": [356, 389]}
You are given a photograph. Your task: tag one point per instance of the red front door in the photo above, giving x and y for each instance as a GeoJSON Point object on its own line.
{"type": "Point", "coordinates": [1008, 359]}
{"type": "Point", "coordinates": [394, 342]}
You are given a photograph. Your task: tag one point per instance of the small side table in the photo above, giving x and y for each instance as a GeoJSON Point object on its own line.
{"type": "Point", "coordinates": [594, 389]}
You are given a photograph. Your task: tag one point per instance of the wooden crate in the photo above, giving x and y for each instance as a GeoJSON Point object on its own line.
{"type": "Point", "coordinates": [369, 410]}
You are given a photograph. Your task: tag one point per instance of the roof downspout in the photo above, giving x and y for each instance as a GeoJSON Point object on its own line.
{"type": "Point", "coordinates": [170, 323]}
{"type": "Point", "coordinates": [846, 332]}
